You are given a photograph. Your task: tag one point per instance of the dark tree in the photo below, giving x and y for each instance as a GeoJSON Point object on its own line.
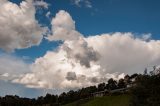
{"type": "Point", "coordinates": [133, 76]}
{"type": "Point", "coordinates": [101, 86]}
{"type": "Point", "coordinates": [146, 92]}
{"type": "Point", "coordinates": [62, 98]}
{"type": "Point", "coordinates": [127, 79]}
{"type": "Point", "coordinates": [121, 83]}
{"type": "Point", "coordinates": [112, 84]}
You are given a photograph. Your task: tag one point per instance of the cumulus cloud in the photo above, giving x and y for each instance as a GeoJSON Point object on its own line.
{"type": "Point", "coordinates": [51, 71]}
{"type": "Point", "coordinates": [18, 26]}
{"type": "Point", "coordinates": [119, 52]}
{"type": "Point", "coordinates": [80, 51]}
{"type": "Point", "coordinates": [83, 61]}
{"type": "Point", "coordinates": [63, 27]}
{"type": "Point", "coordinates": [122, 52]}
{"type": "Point", "coordinates": [74, 55]}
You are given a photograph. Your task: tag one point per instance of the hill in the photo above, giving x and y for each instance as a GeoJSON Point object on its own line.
{"type": "Point", "coordinates": [119, 100]}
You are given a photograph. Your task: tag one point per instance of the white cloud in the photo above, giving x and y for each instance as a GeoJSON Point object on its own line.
{"type": "Point", "coordinates": [76, 2]}
{"type": "Point", "coordinates": [80, 3]}
{"type": "Point", "coordinates": [88, 4]}
{"type": "Point", "coordinates": [122, 52]}
{"type": "Point", "coordinates": [12, 67]}
{"type": "Point", "coordinates": [18, 26]}
{"type": "Point", "coordinates": [119, 52]}
{"type": "Point", "coordinates": [40, 4]}
{"type": "Point", "coordinates": [51, 71]}
{"type": "Point", "coordinates": [5, 75]}
{"type": "Point", "coordinates": [146, 36]}
{"type": "Point", "coordinates": [82, 61]}
{"type": "Point", "coordinates": [63, 27]}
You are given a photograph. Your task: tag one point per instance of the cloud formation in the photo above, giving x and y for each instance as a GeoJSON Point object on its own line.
{"type": "Point", "coordinates": [63, 27]}
{"type": "Point", "coordinates": [82, 61]}
{"type": "Point", "coordinates": [18, 27]}
{"type": "Point", "coordinates": [74, 55]}
{"type": "Point", "coordinates": [122, 52]}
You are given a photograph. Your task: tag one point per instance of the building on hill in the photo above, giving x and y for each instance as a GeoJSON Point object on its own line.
{"type": "Point", "coordinates": [106, 92]}
{"type": "Point", "coordinates": [100, 93]}
{"type": "Point", "coordinates": [120, 90]}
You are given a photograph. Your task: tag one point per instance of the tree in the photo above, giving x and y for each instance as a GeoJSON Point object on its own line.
{"type": "Point", "coordinates": [62, 98]}
{"type": "Point", "coordinates": [145, 71]}
{"type": "Point", "coordinates": [112, 84]}
{"type": "Point", "coordinates": [50, 99]}
{"type": "Point", "coordinates": [127, 79]}
{"type": "Point", "coordinates": [92, 89]}
{"type": "Point", "coordinates": [133, 76]}
{"type": "Point", "coordinates": [101, 86]}
{"type": "Point", "coordinates": [121, 83]}
{"type": "Point", "coordinates": [147, 91]}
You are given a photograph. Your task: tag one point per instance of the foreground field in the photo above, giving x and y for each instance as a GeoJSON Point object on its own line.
{"type": "Point", "coordinates": [120, 100]}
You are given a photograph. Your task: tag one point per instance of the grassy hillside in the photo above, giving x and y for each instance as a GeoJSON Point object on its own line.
{"type": "Point", "coordinates": [120, 100]}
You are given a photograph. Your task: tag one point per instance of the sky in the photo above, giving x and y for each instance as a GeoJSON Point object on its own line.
{"type": "Point", "coordinates": [57, 45]}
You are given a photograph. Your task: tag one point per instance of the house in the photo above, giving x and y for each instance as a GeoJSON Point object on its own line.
{"type": "Point", "coordinates": [100, 93]}
{"type": "Point", "coordinates": [105, 92]}
{"type": "Point", "coordinates": [121, 90]}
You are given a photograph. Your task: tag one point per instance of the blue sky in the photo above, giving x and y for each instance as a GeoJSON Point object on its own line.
{"type": "Point", "coordinates": [119, 51]}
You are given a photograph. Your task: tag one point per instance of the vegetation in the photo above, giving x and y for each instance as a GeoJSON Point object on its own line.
{"type": "Point", "coordinates": [145, 91]}
{"type": "Point", "coordinates": [114, 100]}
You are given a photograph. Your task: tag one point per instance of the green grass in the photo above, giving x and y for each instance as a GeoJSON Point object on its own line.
{"type": "Point", "coordinates": [78, 103]}
{"type": "Point", "coordinates": [119, 100]}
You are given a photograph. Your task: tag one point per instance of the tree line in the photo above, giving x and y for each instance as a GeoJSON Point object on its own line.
{"type": "Point", "coordinates": [65, 97]}
{"type": "Point", "coordinates": [146, 92]}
